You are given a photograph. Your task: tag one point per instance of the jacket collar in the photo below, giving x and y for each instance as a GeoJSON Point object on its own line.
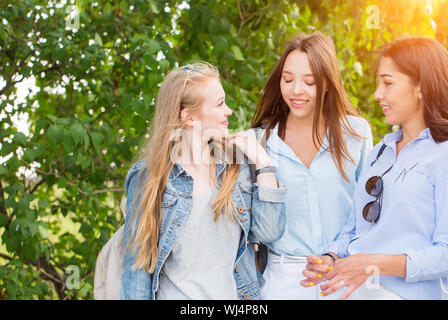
{"type": "Point", "coordinates": [178, 170]}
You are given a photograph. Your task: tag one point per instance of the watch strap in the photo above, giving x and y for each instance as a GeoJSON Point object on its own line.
{"type": "Point", "coordinates": [265, 170]}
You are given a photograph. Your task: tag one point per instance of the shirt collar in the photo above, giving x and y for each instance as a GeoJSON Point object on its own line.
{"type": "Point", "coordinates": [394, 137]}
{"type": "Point", "coordinates": [277, 145]}
{"type": "Point", "coordinates": [274, 142]}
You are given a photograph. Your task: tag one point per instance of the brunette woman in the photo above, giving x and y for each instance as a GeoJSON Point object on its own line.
{"type": "Point", "coordinates": [319, 145]}
{"type": "Point", "coordinates": [398, 228]}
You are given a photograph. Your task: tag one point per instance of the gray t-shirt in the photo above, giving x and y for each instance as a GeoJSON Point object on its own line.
{"type": "Point", "coordinates": [201, 264]}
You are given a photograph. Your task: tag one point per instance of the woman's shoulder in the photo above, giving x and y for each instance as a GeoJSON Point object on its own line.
{"type": "Point", "coordinates": [439, 156]}
{"type": "Point", "coordinates": [137, 166]}
{"type": "Point", "coordinates": [133, 172]}
{"type": "Point", "coordinates": [359, 124]}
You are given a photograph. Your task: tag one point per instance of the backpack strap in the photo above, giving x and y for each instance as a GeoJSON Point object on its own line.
{"type": "Point", "coordinates": [122, 207]}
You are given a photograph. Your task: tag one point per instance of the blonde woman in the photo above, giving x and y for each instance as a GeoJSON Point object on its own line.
{"type": "Point", "coordinates": [191, 212]}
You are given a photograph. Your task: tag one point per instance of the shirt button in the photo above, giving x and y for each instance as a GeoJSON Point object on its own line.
{"type": "Point", "coordinates": [236, 269]}
{"type": "Point", "coordinates": [240, 210]}
{"type": "Point", "coordinates": [246, 296]}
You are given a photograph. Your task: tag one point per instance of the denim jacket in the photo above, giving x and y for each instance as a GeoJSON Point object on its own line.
{"type": "Point", "coordinates": [260, 209]}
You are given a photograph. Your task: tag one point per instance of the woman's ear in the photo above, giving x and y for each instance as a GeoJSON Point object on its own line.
{"type": "Point", "coordinates": [419, 93]}
{"type": "Point", "coordinates": [186, 117]}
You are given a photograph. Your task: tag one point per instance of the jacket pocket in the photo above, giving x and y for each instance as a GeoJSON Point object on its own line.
{"type": "Point", "coordinates": [168, 198]}
{"type": "Point", "coordinates": [249, 292]}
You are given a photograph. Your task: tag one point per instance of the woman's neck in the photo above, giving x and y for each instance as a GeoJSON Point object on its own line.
{"type": "Point", "coordinates": [300, 125]}
{"type": "Point", "coordinates": [411, 130]}
{"type": "Point", "coordinates": [194, 151]}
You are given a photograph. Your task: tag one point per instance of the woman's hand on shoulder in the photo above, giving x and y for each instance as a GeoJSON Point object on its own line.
{"type": "Point", "coordinates": [250, 146]}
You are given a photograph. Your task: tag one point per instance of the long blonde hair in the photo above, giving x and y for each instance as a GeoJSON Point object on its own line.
{"type": "Point", "coordinates": [179, 90]}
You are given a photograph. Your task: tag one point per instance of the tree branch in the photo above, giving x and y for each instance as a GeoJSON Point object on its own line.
{"type": "Point", "coordinates": [4, 256]}
{"type": "Point", "coordinates": [38, 184]}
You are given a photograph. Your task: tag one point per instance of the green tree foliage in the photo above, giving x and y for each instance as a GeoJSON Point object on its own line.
{"type": "Point", "coordinates": [96, 66]}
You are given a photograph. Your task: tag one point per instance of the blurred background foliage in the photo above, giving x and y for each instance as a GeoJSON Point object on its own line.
{"type": "Point", "coordinates": [95, 68]}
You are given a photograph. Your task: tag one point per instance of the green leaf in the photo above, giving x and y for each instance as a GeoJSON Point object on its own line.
{"type": "Point", "coordinates": [52, 118]}
{"type": "Point", "coordinates": [43, 204]}
{"type": "Point", "coordinates": [20, 138]}
{"type": "Point", "coordinates": [154, 47]}
{"type": "Point", "coordinates": [32, 154]}
{"type": "Point", "coordinates": [153, 7]}
{"type": "Point", "coordinates": [107, 9]}
{"type": "Point", "coordinates": [43, 230]}
{"type": "Point", "coordinates": [237, 53]}
{"type": "Point", "coordinates": [40, 125]}
{"type": "Point", "coordinates": [33, 229]}
{"type": "Point", "coordinates": [3, 220]}
{"type": "Point", "coordinates": [98, 40]}
{"type": "Point", "coordinates": [6, 148]}
{"type": "Point", "coordinates": [96, 138]}
{"type": "Point", "coordinates": [30, 250]}
{"type": "Point", "coordinates": [67, 143]}
{"type": "Point", "coordinates": [55, 133]}
{"type": "Point", "coordinates": [82, 161]}
{"type": "Point", "coordinates": [78, 133]}
{"type": "Point", "coordinates": [12, 243]}
{"type": "Point", "coordinates": [3, 171]}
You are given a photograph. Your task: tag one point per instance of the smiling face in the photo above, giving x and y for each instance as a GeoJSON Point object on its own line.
{"type": "Point", "coordinates": [398, 95]}
{"type": "Point", "coordinates": [298, 86]}
{"type": "Point", "coordinates": [213, 112]}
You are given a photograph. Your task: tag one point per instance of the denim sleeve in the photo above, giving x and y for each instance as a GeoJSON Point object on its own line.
{"type": "Point", "coordinates": [432, 262]}
{"type": "Point", "coordinates": [268, 213]}
{"type": "Point", "coordinates": [135, 284]}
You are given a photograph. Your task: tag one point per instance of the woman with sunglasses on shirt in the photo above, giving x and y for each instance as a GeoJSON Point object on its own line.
{"type": "Point", "coordinates": [191, 211]}
{"type": "Point", "coordinates": [398, 228]}
{"type": "Point", "coordinates": [319, 145]}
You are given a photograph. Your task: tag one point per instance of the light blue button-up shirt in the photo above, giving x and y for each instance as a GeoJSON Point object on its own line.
{"type": "Point", "coordinates": [413, 218]}
{"type": "Point", "coordinates": [318, 199]}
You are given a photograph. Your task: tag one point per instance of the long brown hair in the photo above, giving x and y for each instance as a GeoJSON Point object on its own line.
{"type": "Point", "coordinates": [333, 104]}
{"type": "Point", "coordinates": [179, 90]}
{"type": "Point", "coordinates": [425, 61]}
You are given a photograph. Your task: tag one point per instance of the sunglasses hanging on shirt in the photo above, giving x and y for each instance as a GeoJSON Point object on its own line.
{"type": "Point", "coordinates": [374, 187]}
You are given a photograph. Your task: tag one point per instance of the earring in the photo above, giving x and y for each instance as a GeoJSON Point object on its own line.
{"type": "Point", "coordinates": [419, 96]}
